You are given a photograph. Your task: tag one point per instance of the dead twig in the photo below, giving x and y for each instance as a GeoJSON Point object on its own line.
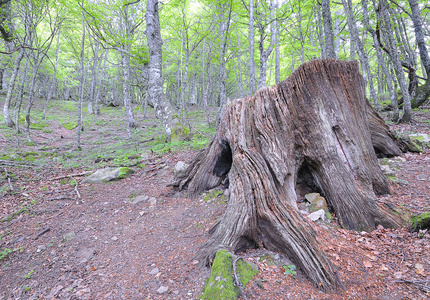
{"type": "Point", "coordinates": [59, 198]}
{"type": "Point", "coordinates": [42, 232]}
{"type": "Point", "coordinates": [76, 189]}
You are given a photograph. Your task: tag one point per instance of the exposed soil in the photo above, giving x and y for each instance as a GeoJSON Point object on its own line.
{"type": "Point", "coordinates": [89, 241]}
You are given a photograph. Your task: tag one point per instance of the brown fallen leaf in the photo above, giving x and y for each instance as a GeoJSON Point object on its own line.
{"type": "Point", "coordinates": [367, 264]}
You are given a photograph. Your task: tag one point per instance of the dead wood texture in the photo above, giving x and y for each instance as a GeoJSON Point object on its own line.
{"type": "Point", "coordinates": [312, 128]}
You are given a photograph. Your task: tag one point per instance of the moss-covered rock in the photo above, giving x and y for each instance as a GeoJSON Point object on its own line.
{"type": "Point", "coordinates": [180, 133]}
{"type": "Point", "coordinates": [421, 221]}
{"type": "Point", "coordinates": [220, 284]}
{"type": "Point", "coordinates": [124, 172]}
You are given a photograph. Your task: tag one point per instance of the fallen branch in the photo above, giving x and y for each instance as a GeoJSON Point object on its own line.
{"type": "Point", "coordinates": [421, 284]}
{"type": "Point", "coordinates": [70, 175]}
{"type": "Point", "coordinates": [59, 198]}
{"type": "Point", "coordinates": [16, 163]}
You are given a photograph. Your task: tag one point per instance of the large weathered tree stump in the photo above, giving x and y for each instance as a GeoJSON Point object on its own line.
{"type": "Point", "coordinates": [315, 127]}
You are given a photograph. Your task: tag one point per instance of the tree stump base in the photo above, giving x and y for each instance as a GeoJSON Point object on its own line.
{"type": "Point", "coordinates": [316, 127]}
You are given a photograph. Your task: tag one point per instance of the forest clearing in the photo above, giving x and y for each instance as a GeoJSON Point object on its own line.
{"type": "Point", "coordinates": [258, 149]}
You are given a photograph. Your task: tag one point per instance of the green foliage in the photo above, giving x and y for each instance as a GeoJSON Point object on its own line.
{"type": "Point", "coordinates": [215, 194]}
{"type": "Point", "coordinates": [290, 270]}
{"type": "Point", "coordinates": [5, 253]}
{"type": "Point", "coordinates": [28, 275]}
{"type": "Point", "coordinates": [70, 125]}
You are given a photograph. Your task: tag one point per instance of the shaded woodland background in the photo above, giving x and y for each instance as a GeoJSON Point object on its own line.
{"type": "Point", "coordinates": [202, 52]}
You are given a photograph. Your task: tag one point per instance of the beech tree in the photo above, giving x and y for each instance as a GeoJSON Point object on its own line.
{"type": "Point", "coordinates": [311, 128]}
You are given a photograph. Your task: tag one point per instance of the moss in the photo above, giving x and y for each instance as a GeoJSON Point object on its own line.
{"type": "Point", "coordinates": [124, 172]}
{"type": "Point", "coordinates": [417, 137]}
{"type": "Point", "coordinates": [220, 284]}
{"type": "Point", "coordinates": [29, 158]}
{"type": "Point", "coordinates": [30, 153]}
{"type": "Point", "coordinates": [180, 133]}
{"type": "Point", "coordinates": [421, 221]}
{"type": "Point", "coordinates": [70, 125]}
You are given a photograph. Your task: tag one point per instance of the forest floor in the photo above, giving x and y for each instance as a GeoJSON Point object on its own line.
{"type": "Point", "coordinates": [62, 239]}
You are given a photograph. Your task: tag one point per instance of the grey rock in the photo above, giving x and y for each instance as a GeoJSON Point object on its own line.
{"type": "Point", "coordinates": [152, 201]}
{"type": "Point", "coordinates": [69, 236]}
{"type": "Point", "coordinates": [140, 198]}
{"type": "Point", "coordinates": [162, 289]}
{"type": "Point", "coordinates": [106, 175]}
{"type": "Point", "coordinates": [422, 177]}
{"type": "Point", "coordinates": [41, 248]}
{"type": "Point", "coordinates": [84, 255]}
{"type": "Point", "coordinates": [319, 214]}
{"type": "Point", "coordinates": [180, 169]}
{"type": "Point", "coordinates": [154, 271]}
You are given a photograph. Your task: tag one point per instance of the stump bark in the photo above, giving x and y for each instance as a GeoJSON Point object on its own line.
{"type": "Point", "coordinates": [315, 128]}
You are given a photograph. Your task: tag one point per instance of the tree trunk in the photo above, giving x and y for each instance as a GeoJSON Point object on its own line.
{"type": "Point", "coordinates": [251, 87]}
{"type": "Point", "coordinates": [394, 57]}
{"type": "Point", "coordinates": [10, 89]}
{"type": "Point", "coordinates": [155, 84]}
{"type": "Point", "coordinates": [328, 29]}
{"type": "Point", "coordinates": [312, 127]}
{"type": "Point", "coordinates": [81, 83]}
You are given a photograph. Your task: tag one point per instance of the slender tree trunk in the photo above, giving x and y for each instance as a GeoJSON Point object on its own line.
{"type": "Point", "coordinates": [277, 54]}
{"type": "Point", "coordinates": [239, 69]}
{"type": "Point", "coordinates": [125, 60]}
{"type": "Point", "coordinates": [394, 57]}
{"type": "Point", "coordinates": [419, 35]}
{"type": "Point", "coordinates": [382, 64]}
{"type": "Point", "coordinates": [31, 94]}
{"type": "Point", "coordinates": [364, 60]}
{"type": "Point", "coordinates": [94, 71]}
{"type": "Point", "coordinates": [155, 89]}
{"type": "Point", "coordinates": [53, 84]}
{"type": "Point", "coordinates": [264, 54]}
{"type": "Point", "coordinates": [328, 29]}
{"type": "Point", "coordinates": [18, 101]}
{"type": "Point", "coordinates": [251, 87]}
{"type": "Point", "coordinates": [82, 83]}
{"type": "Point", "coordinates": [223, 28]}
{"type": "Point", "coordinates": [10, 89]}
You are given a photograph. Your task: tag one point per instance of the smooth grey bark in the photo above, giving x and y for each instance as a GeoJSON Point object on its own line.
{"type": "Point", "coordinates": [10, 89]}
{"type": "Point", "coordinates": [328, 29]}
{"type": "Point", "coordinates": [265, 53]}
{"type": "Point", "coordinates": [419, 35]}
{"type": "Point", "coordinates": [125, 61]}
{"type": "Point", "coordinates": [382, 64]}
{"type": "Point", "coordinates": [320, 35]}
{"type": "Point", "coordinates": [155, 84]}
{"type": "Point", "coordinates": [94, 73]}
{"type": "Point", "coordinates": [251, 87]}
{"type": "Point", "coordinates": [54, 77]}
{"type": "Point", "coordinates": [18, 101]}
{"type": "Point", "coordinates": [239, 69]}
{"type": "Point", "coordinates": [277, 54]}
{"type": "Point", "coordinates": [364, 60]}
{"type": "Point", "coordinates": [394, 57]}
{"type": "Point", "coordinates": [81, 83]}
{"type": "Point", "coordinates": [223, 29]}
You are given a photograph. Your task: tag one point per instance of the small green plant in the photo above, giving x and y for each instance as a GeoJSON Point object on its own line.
{"type": "Point", "coordinates": [5, 253]}
{"type": "Point", "coordinates": [63, 181]}
{"type": "Point", "coordinates": [290, 270]}
{"type": "Point", "coordinates": [73, 182]}
{"type": "Point", "coordinates": [213, 195]}
{"type": "Point", "coordinates": [44, 188]}
{"type": "Point", "coordinates": [26, 288]}
{"type": "Point", "coordinates": [28, 275]}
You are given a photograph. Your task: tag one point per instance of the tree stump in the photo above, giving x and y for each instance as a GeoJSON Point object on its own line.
{"type": "Point", "coordinates": [316, 128]}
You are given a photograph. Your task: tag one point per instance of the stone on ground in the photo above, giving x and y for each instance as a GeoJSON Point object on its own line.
{"type": "Point", "coordinates": [108, 174]}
